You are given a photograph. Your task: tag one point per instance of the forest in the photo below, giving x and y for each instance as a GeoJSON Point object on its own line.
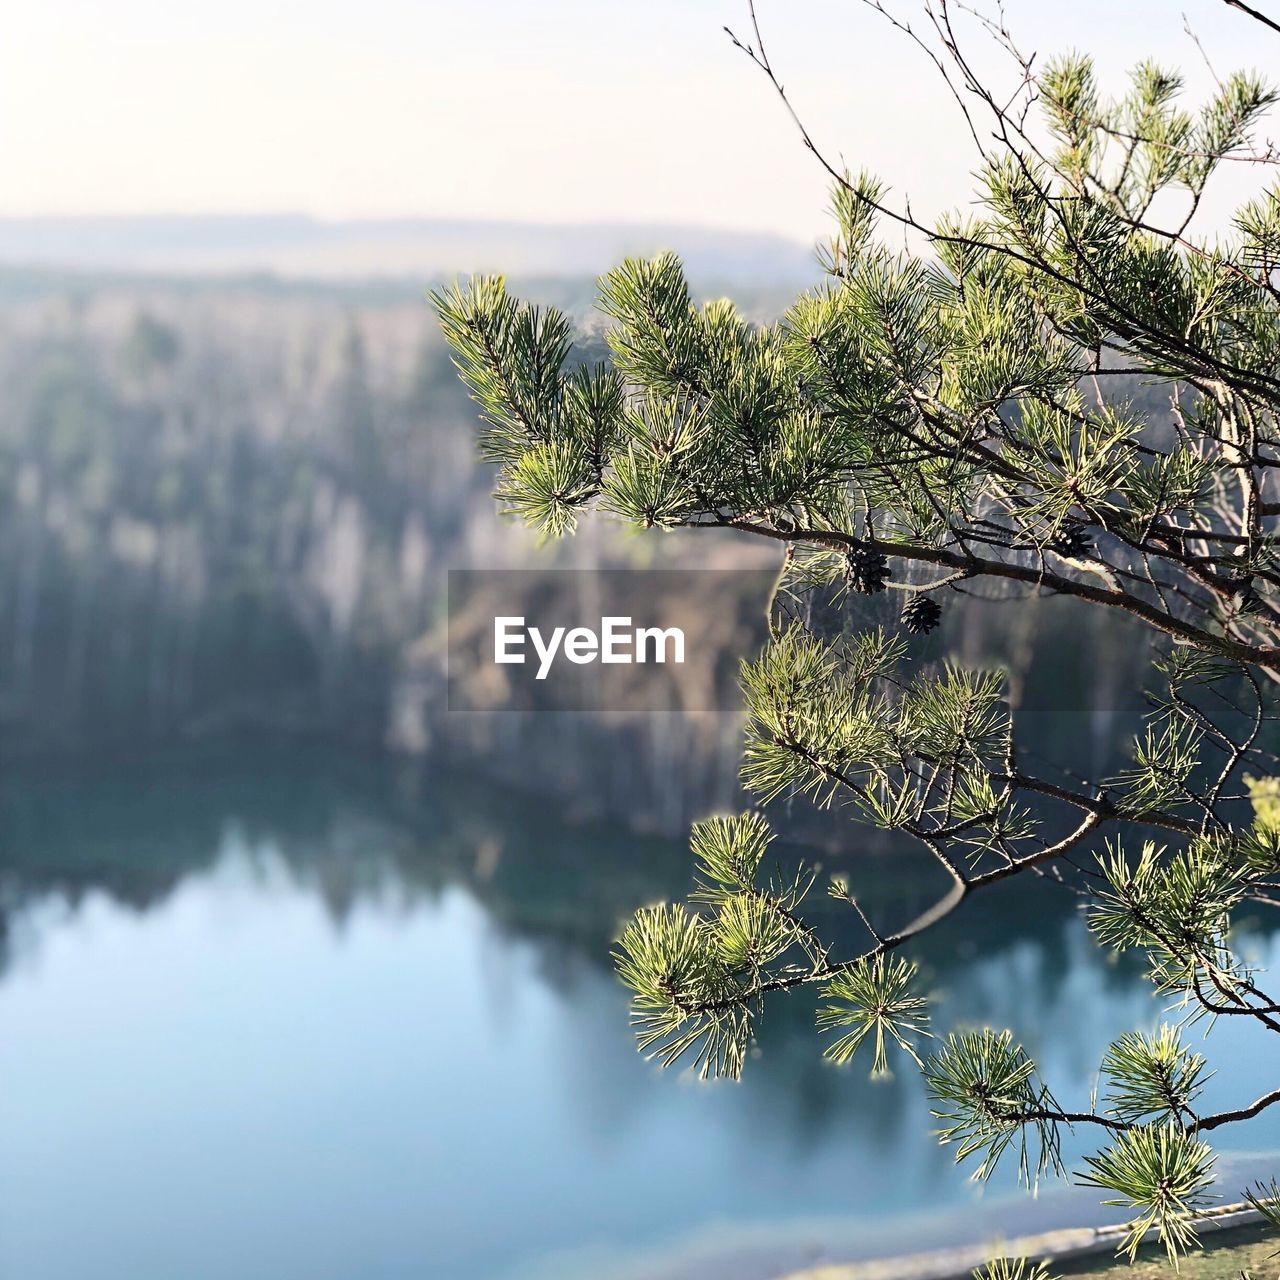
{"type": "Point", "coordinates": [227, 512]}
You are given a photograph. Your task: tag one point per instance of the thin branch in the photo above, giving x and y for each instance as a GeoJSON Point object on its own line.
{"type": "Point", "coordinates": [1253, 13]}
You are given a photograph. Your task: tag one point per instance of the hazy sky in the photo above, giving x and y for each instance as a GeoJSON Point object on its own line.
{"type": "Point", "coordinates": [559, 110]}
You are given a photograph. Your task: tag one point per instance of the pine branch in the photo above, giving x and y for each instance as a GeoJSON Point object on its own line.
{"type": "Point", "coordinates": [1256, 14]}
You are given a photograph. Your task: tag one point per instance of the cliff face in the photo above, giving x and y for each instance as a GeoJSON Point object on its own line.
{"type": "Point", "coordinates": [228, 511]}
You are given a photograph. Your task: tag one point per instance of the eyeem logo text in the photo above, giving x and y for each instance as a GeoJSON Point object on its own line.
{"type": "Point", "coordinates": [616, 641]}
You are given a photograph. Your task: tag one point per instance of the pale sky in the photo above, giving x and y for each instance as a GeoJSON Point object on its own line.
{"type": "Point", "coordinates": [564, 110]}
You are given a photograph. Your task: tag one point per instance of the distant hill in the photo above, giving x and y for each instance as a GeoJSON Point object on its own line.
{"type": "Point", "coordinates": [300, 247]}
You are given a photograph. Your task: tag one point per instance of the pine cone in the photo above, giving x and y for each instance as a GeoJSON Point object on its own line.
{"type": "Point", "coordinates": [1074, 540]}
{"type": "Point", "coordinates": [866, 571]}
{"type": "Point", "coordinates": [921, 614]}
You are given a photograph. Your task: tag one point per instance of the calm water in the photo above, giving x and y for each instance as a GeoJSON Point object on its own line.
{"type": "Point", "coordinates": [302, 1018]}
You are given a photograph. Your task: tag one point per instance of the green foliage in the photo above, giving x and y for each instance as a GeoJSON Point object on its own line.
{"type": "Point", "coordinates": [875, 998]}
{"type": "Point", "coordinates": [695, 974]}
{"type": "Point", "coordinates": [684, 991]}
{"type": "Point", "coordinates": [1264, 793]}
{"type": "Point", "coordinates": [1265, 1198]}
{"type": "Point", "coordinates": [546, 484]}
{"type": "Point", "coordinates": [1164, 1175]}
{"type": "Point", "coordinates": [548, 429]}
{"type": "Point", "coordinates": [1152, 1076]}
{"type": "Point", "coordinates": [986, 1093]}
{"type": "Point", "coordinates": [1164, 758]}
{"type": "Point", "coordinates": [843, 722]}
{"type": "Point", "coordinates": [728, 851]}
{"type": "Point", "coordinates": [1012, 1269]}
{"type": "Point", "coordinates": [510, 356]}
{"type": "Point", "coordinates": [1176, 908]}
{"type": "Point", "coordinates": [815, 719]}
{"type": "Point", "coordinates": [1058, 395]}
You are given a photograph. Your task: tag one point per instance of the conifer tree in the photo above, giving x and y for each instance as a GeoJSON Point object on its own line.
{"type": "Point", "coordinates": [951, 417]}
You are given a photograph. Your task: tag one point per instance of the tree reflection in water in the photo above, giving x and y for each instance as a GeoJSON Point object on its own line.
{"type": "Point", "coordinates": [489, 1013]}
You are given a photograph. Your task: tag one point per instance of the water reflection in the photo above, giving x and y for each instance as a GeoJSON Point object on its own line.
{"type": "Point", "coordinates": [303, 1016]}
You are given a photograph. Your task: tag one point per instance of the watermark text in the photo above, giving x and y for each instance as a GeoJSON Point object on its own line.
{"type": "Point", "coordinates": [616, 641]}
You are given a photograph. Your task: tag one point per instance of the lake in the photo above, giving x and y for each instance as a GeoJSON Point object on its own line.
{"type": "Point", "coordinates": [307, 1015]}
